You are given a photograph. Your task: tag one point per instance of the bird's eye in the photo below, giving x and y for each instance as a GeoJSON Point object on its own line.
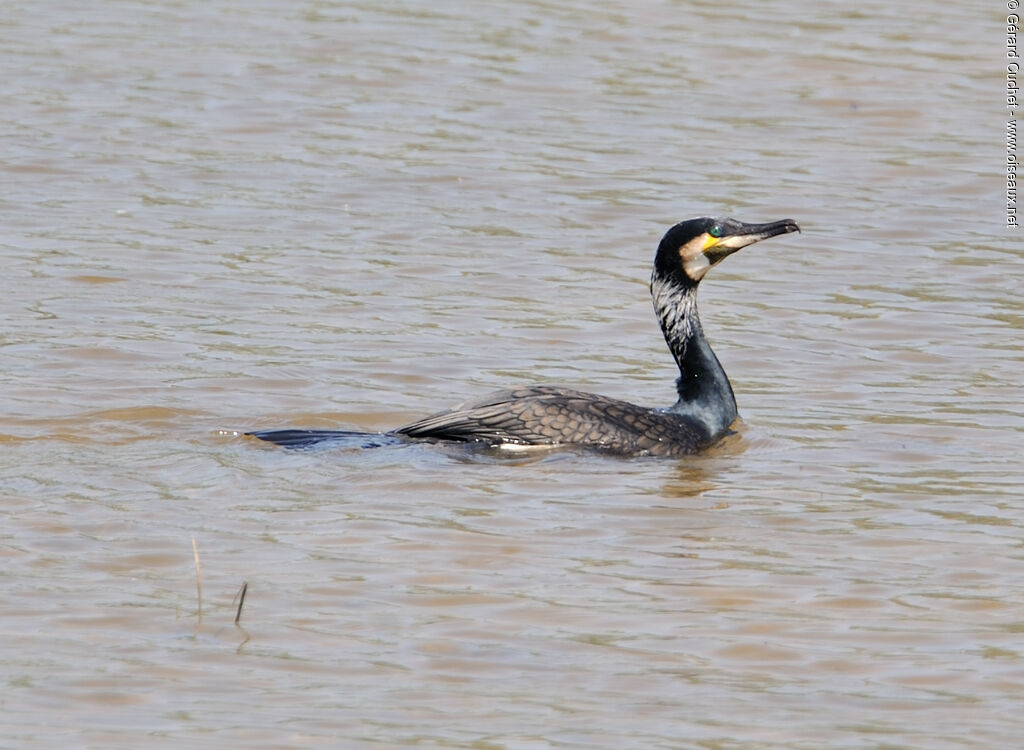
{"type": "Point", "coordinates": [715, 231]}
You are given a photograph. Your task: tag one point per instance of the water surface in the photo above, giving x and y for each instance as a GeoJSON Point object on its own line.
{"type": "Point", "coordinates": [252, 215]}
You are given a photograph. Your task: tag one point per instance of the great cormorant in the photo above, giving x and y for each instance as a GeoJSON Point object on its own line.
{"type": "Point", "coordinates": [554, 416]}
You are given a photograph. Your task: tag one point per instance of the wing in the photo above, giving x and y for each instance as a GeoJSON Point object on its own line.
{"type": "Point", "coordinates": [559, 416]}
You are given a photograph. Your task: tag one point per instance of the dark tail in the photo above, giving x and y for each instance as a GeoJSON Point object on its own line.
{"type": "Point", "coordinates": [327, 438]}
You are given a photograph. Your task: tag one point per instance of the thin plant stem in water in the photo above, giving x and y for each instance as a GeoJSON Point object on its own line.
{"type": "Point", "coordinates": [199, 580]}
{"type": "Point", "coordinates": [241, 600]}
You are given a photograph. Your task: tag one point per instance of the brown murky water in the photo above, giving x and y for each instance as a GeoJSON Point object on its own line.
{"type": "Point", "coordinates": [238, 215]}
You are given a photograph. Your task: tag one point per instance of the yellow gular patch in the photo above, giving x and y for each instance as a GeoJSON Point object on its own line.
{"type": "Point", "coordinates": [709, 241]}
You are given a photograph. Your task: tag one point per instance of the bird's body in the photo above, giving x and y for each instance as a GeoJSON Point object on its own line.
{"type": "Point", "coordinates": [554, 416]}
{"type": "Point", "coordinates": [548, 415]}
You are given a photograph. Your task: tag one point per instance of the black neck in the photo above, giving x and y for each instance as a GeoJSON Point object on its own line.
{"type": "Point", "coordinates": [704, 390]}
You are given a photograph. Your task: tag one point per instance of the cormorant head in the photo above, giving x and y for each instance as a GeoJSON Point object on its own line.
{"type": "Point", "coordinates": [693, 246]}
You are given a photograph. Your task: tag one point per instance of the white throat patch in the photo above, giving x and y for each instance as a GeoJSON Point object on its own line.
{"type": "Point", "coordinates": [697, 266]}
{"type": "Point", "coordinates": [695, 262]}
